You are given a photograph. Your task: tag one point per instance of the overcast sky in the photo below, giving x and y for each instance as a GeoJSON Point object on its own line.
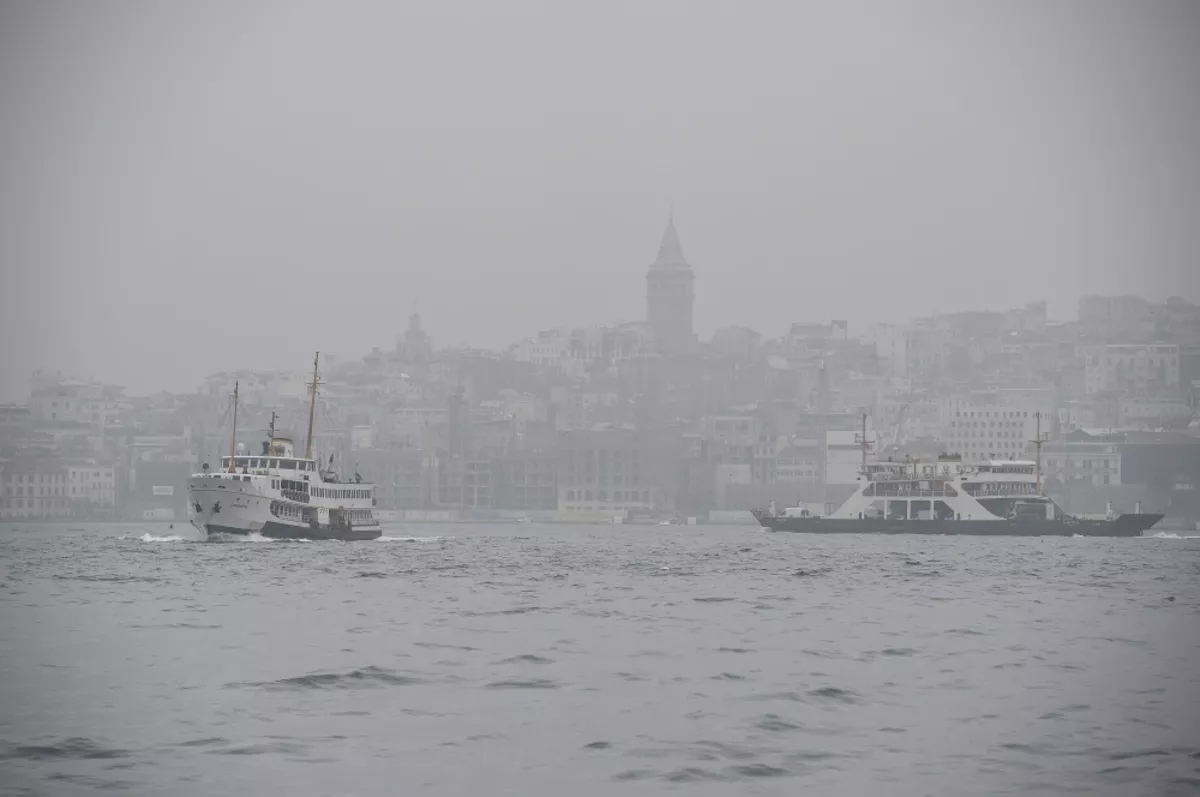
{"type": "Point", "coordinates": [194, 187]}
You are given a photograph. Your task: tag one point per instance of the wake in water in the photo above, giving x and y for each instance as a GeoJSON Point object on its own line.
{"type": "Point", "coordinates": [211, 538]}
{"type": "Point", "coordinates": [414, 539]}
{"type": "Point", "coordinates": [1166, 535]}
{"type": "Point", "coordinates": [154, 538]}
{"type": "Point", "coordinates": [252, 537]}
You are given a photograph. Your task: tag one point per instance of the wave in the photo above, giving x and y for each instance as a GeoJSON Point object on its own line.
{"type": "Point", "coordinates": [531, 683]}
{"type": "Point", "coordinates": [413, 539]}
{"type": "Point", "coordinates": [1166, 535]}
{"type": "Point", "coordinates": [116, 579]}
{"type": "Point", "coordinates": [74, 747]}
{"type": "Point", "coordinates": [367, 677]}
{"type": "Point", "coordinates": [834, 693]}
{"type": "Point", "coordinates": [155, 538]}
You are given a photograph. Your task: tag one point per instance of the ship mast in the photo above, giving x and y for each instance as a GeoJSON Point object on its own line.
{"type": "Point", "coordinates": [1037, 444]}
{"type": "Point", "coordinates": [233, 438]}
{"type": "Point", "coordinates": [271, 432]}
{"type": "Point", "coordinates": [312, 407]}
{"type": "Point", "coordinates": [863, 442]}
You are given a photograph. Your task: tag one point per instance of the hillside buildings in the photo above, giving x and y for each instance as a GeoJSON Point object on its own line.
{"type": "Point", "coordinates": [641, 420]}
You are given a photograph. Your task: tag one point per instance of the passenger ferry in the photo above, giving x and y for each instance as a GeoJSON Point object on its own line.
{"type": "Point", "coordinates": [998, 497]}
{"type": "Point", "coordinates": [279, 494]}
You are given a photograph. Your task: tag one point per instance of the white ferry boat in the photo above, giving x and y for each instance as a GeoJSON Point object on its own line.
{"type": "Point", "coordinates": [278, 494]}
{"type": "Point", "coordinates": [1000, 497]}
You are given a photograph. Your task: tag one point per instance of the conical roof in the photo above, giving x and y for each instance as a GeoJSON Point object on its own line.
{"type": "Point", "coordinates": [670, 252]}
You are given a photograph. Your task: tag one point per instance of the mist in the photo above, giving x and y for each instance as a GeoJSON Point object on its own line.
{"type": "Point", "coordinates": [203, 187]}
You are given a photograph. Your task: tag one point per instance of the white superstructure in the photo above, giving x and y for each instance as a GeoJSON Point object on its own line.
{"type": "Point", "coordinates": [279, 494]}
{"type": "Point", "coordinates": [946, 490]}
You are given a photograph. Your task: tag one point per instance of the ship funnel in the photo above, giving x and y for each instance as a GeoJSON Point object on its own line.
{"type": "Point", "coordinates": [1137, 508]}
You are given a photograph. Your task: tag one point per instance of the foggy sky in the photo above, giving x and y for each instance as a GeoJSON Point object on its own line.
{"type": "Point", "coordinates": [187, 188]}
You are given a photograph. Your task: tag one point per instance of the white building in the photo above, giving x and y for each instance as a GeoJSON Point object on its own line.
{"type": "Point", "coordinates": [798, 464]}
{"type": "Point", "coordinates": [1153, 412]}
{"type": "Point", "coordinates": [92, 483]}
{"type": "Point", "coordinates": [548, 350]}
{"type": "Point", "coordinates": [1097, 463]}
{"type": "Point", "coordinates": [1140, 369]}
{"type": "Point", "coordinates": [844, 454]}
{"type": "Point", "coordinates": [997, 424]}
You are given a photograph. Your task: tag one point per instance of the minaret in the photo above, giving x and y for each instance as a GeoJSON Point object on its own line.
{"type": "Point", "coordinates": [670, 294]}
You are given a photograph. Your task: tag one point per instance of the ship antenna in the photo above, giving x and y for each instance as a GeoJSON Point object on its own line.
{"type": "Point", "coordinates": [233, 438]}
{"type": "Point", "coordinates": [1037, 444]}
{"type": "Point", "coordinates": [271, 429]}
{"type": "Point", "coordinates": [312, 407]}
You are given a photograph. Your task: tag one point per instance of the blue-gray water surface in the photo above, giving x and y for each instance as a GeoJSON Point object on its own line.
{"type": "Point", "coordinates": [526, 660]}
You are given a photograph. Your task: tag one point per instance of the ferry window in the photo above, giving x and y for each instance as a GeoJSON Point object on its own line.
{"type": "Point", "coordinates": [288, 464]}
{"type": "Point", "coordinates": [275, 464]}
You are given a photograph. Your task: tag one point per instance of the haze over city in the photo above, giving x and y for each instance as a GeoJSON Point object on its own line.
{"type": "Point", "coordinates": [197, 188]}
{"type": "Point", "coordinates": [663, 396]}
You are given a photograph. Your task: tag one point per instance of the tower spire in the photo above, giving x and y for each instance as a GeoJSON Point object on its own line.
{"type": "Point", "coordinates": [670, 294]}
{"type": "Point", "coordinates": [670, 252]}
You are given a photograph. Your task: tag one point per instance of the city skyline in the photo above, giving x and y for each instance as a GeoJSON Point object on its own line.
{"type": "Point", "coordinates": [217, 197]}
{"type": "Point", "coordinates": [16, 390]}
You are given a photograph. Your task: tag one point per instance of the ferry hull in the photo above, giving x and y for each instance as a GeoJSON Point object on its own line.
{"type": "Point", "coordinates": [1121, 526]}
{"type": "Point", "coordinates": [283, 531]}
{"type": "Point", "coordinates": [221, 507]}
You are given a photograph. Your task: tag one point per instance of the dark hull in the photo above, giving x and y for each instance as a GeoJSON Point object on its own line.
{"type": "Point", "coordinates": [1121, 526]}
{"type": "Point", "coordinates": [281, 531]}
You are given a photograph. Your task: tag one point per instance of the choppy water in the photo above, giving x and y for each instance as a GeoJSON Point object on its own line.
{"type": "Point", "coordinates": [458, 660]}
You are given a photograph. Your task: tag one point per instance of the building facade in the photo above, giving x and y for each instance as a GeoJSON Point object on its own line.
{"type": "Point", "coordinates": [1137, 369]}
{"type": "Point", "coordinates": [996, 424]}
